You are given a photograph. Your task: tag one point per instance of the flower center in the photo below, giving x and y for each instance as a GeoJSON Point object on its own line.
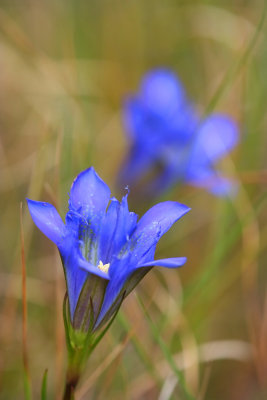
{"type": "Point", "coordinates": [103, 267]}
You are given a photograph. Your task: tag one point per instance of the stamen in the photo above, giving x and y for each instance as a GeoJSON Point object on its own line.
{"type": "Point", "coordinates": [103, 267]}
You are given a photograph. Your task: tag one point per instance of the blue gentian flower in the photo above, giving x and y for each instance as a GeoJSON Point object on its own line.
{"type": "Point", "coordinates": [105, 250]}
{"type": "Point", "coordinates": [166, 133]}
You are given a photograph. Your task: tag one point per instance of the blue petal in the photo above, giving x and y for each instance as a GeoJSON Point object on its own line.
{"type": "Point", "coordinates": [75, 276]}
{"type": "Point", "coordinates": [216, 137]}
{"type": "Point", "coordinates": [116, 229]}
{"type": "Point", "coordinates": [108, 228]}
{"type": "Point", "coordinates": [92, 269]}
{"type": "Point", "coordinates": [211, 180]}
{"type": "Point", "coordinates": [160, 113]}
{"type": "Point", "coordinates": [182, 124]}
{"type": "Point", "coordinates": [141, 250]}
{"type": "Point", "coordinates": [46, 217]}
{"type": "Point", "coordinates": [165, 214]}
{"type": "Point", "coordinates": [161, 91]}
{"type": "Point", "coordinates": [148, 128]}
{"type": "Point", "coordinates": [166, 262]}
{"type": "Point", "coordinates": [224, 187]}
{"type": "Point", "coordinates": [153, 225]}
{"type": "Point", "coordinates": [126, 222]}
{"type": "Point", "coordinates": [133, 117]}
{"type": "Point", "coordinates": [89, 193]}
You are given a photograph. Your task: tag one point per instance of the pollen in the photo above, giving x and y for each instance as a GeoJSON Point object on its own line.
{"type": "Point", "coordinates": [103, 267]}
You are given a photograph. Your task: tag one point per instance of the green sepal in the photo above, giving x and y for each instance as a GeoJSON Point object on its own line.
{"type": "Point", "coordinates": [78, 341]}
{"type": "Point", "coordinates": [67, 323]}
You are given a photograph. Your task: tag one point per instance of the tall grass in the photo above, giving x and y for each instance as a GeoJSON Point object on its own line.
{"type": "Point", "coordinates": [65, 68]}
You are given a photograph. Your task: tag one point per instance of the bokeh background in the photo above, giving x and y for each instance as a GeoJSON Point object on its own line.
{"type": "Point", "coordinates": [65, 67]}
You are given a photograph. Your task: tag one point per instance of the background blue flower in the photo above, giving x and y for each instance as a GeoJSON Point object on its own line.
{"type": "Point", "coordinates": [104, 249]}
{"type": "Point", "coordinates": [166, 131]}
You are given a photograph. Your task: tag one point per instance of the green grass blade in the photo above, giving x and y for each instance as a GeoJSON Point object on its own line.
{"type": "Point", "coordinates": [27, 386]}
{"type": "Point", "coordinates": [44, 386]}
{"type": "Point", "coordinates": [235, 69]}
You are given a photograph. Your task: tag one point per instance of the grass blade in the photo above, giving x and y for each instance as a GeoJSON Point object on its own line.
{"type": "Point", "coordinates": [235, 69]}
{"type": "Point", "coordinates": [44, 386]}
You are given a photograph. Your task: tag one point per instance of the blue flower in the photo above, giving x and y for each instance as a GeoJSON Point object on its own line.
{"type": "Point", "coordinates": [104, 249]}
{"type": "Point", "coordinates": [165, 131]}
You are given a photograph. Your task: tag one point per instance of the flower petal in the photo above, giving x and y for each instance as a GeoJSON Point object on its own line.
{"type": "Point", "coordinates": [75, 277]}
{"type": "Point", "coordinates": [92, 269]}
{"type": "Point", "coordinates": [212, 181]}
{"type": "Point", "coordinates": [89, 193]}
{"type": "Point", "coordinates": [108, 227]}
{"type": "Point", "coordinates": [127, 271]}
{"type": "Point", "coordinates": [46, 217]}
{"type": "Point", "coordinates": [216, 137]}
{"type": "Point", "coordinates": [126, 223]}
{"type": "Point", "coordinates": [133, 118]}
{"type": "Point", "coordinates": [162, 92]}
{"type": "Point", "coordinates": [165, 214]}
{"type": "Point", "coordinates": [224, 187]}
{"type": "Point", "coordinates": [117, 226]}
{"type": "Point", "coordinates": [165, 262]}
{"type": "Point", "coordinates": [147, 128]}
{"type": "Point", "coordinates": [153, 225]}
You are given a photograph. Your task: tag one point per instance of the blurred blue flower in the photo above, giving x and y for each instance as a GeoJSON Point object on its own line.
{"type": "Point", "coordinates": [166, 132]}
{"type": "Point", "coordinates": [104, 249]}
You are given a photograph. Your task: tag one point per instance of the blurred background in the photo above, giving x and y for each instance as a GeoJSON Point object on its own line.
{"type": "Point", "coordinates": [65, 68]}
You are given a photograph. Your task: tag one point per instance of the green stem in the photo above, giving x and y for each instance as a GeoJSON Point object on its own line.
{"type": "Point", "coordinates": [80, 345]}
{"type": "Point", "coordinates": [73, 375]}
{"type": "Point", "coordinates": [71, 383]}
